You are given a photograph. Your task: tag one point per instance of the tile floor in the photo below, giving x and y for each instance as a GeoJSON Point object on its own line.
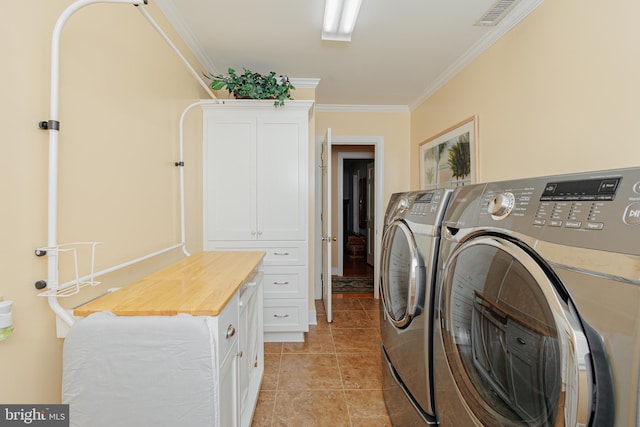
{"type": "Point", "coordinates": [333, 379]}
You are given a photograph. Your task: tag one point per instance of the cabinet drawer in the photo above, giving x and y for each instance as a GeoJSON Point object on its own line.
{"type": "Point", "coordinates": [227, 332]}
{"type": "Point", "coordinates": [293, 254]}
{"type": "Point", "coordinates": [285, 315]}
{"type": "Point", "coordinates": [285, 282]}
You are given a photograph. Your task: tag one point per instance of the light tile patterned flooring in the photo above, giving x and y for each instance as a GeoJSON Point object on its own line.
{"type": "Point", "coordinates": [333, 379]}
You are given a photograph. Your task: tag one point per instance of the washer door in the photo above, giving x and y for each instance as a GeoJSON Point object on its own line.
{"type": "Point", "coordinates": [514, 344]}
{"type": "Point", "coordinates": [402, 275]}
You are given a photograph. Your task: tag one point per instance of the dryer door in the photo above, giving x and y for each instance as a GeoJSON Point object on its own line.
{"type": "Point", "coordinates": [402, 275]}
{"type": "Point", "coordinates": [514, 344]}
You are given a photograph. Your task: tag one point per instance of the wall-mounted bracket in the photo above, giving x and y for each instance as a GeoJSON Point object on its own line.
{"type": "Point", "coordinates": [40, 252]}
{"type": "Point", "coordinates": [49, 125]}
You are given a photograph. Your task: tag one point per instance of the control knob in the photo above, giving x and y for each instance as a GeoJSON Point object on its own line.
{"type": "Point", "coordinates": [501, 205]}
{"type": "Point", "coordinates": [403, 204]}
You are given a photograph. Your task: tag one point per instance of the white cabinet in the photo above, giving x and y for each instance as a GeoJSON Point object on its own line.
{"type": "Point", "coordinates": [256, 197]}
{"type": "Point", "coordinates": [251, 349]}
{"type": "Point", "coordinates": [240, 354]}
{"type": "Point", "coordinates": [208, 360]}
{"type": "Point", "coordinates": [228, 398]}
{"type": "Point", "coordinates": [256, 172]}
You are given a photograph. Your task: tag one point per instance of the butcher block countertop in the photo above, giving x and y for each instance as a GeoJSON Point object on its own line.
{"type": "Point", "coordinates": [201, 285]}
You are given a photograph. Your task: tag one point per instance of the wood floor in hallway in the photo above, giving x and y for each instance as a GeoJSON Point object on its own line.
{"type": "Point", "coordinates": [356, 268]}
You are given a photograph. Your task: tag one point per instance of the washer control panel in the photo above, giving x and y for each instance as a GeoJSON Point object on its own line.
{"type": "Point", "coordinates": [576, 204]}
{"type": "Point", "coordinates": [578, 208]}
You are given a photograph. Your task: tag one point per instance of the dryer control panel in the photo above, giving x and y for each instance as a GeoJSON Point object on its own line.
{"type": "Point", "coordinates": [420, 207]}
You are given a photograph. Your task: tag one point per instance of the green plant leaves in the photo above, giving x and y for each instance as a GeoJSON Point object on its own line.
{"type": "Point", "coordinates": [217, 84]}
{"type": "Point", "coordinates": [253, 85]}
{"type": "Point", "coordinates": [460, 157]}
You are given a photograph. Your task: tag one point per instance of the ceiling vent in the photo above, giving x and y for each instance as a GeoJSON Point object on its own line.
{"type": "Point", "coordinates": [495, 14]}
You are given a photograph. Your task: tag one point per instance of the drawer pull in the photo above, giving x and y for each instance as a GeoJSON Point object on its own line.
{"type": "Point", "coordinates": [281, 253]}
{"type": "Point", "coordinates": [231, 331]}
{"type": "Point", "coordinates": [280, 283]}
{"type": "Point", "coordinates": [281, 316]}
{"type": "Point", "coordinates": [240, 353]}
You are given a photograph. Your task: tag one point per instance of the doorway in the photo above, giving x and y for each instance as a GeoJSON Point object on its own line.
{"type": "Point", "coordinates": [375, 198]}
{"type": "Point", "coordinates": [356, 190]}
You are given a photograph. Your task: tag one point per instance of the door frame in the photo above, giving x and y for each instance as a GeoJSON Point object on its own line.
{"type": "Point", "coordinates": [342, 156]}
{"type": "Point", "coordinates": [378, 143]}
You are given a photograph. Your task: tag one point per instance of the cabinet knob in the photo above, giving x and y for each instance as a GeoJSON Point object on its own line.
{"type": "Point", "coordinates": [240, 353]}
{"type": "Point", "coordinates": [231, 331]}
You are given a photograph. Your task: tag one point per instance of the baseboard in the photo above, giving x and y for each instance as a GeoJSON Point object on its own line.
{"type": "Point", "coordinates": [284, 337]}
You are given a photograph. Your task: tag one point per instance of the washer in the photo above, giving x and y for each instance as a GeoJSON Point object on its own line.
{"type": "Point", "coordinates": [537, 321]}
{"type": "Point", "coordinates": [409, 255]}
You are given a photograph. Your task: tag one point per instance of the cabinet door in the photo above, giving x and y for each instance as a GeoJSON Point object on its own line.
{"type": "Point", "coordinates": [248, 344]}
{"type": "Point", "coordinates": [282, 177]}
{"type": "Point", "coordinates": [228, 392]}
{"type": "Point", "coordinates": [230, 176]}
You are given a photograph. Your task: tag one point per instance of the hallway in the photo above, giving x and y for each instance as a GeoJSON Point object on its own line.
{"type": "Point", "coordinates": [356, 268]}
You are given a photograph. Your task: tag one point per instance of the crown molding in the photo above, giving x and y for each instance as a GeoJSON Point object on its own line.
{"type": "Point", "coordinates": [302, 83]}
{"type": "Point", "coordinates": [344, 108]}
{"type": "Point", "coordinates": [519, 12]}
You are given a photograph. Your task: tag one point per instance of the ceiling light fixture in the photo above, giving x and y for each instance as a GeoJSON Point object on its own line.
{"type": "Point", "coordinates": [339, 19]}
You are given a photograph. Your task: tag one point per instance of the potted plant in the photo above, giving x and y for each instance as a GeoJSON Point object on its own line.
{"type": "Point", "coordinates": [253, 85]}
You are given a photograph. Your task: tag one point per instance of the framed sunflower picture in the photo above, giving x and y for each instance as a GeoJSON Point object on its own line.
{"type": "Point", "coordinates": [449, 159]}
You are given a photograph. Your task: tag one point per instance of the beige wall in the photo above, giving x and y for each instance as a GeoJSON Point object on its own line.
{"type": "Point", "coordinates": [557, 94]}
{"type": "Point", "coordinates": [393, 127]}
{"type": "Point", "coordinates": [122, 90]}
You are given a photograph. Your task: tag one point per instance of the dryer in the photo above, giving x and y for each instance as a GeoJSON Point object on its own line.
{"type": "Point", "coordinates": [408, 259]}
{"type": "Point", "coordinates": [537, 320]}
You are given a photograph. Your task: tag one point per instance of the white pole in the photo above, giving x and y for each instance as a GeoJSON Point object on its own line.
{"type": "Point", "coordinates": [214, 100]}
{"type": "Point", "coordinates": [119, 266]}
{"type": "Point", "coordinates": [182, 208]}
{"type": "Point", "coordinates": [53, 125]}
{"type": "Point", "coordinates": [175, 49]}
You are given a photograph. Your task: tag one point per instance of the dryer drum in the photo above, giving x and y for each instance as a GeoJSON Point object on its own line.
{"type": "Point", "coordinates": [402, 278]}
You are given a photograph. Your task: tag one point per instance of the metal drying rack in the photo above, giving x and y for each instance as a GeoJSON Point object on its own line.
{"type": "Point", "coordinates": [53, 250]}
